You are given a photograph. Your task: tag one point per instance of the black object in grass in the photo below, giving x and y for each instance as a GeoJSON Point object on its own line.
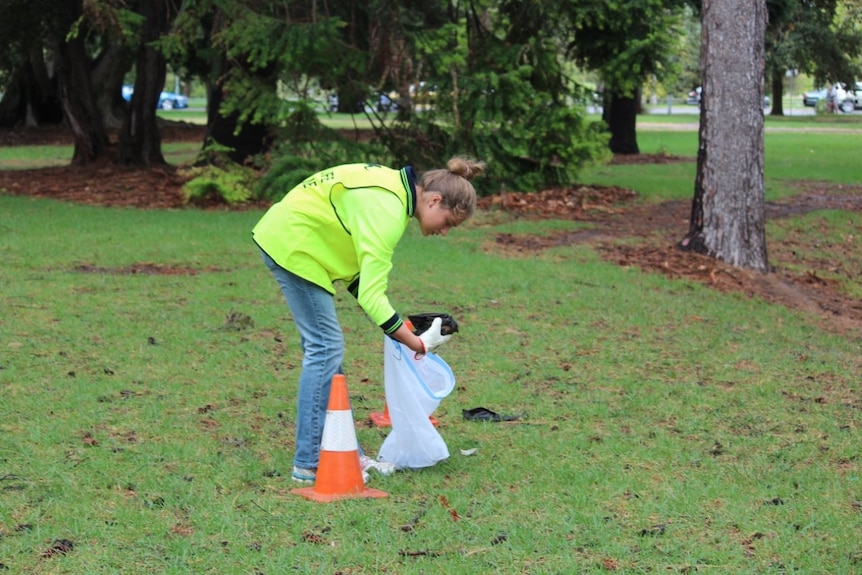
{"type": "Point", "coordinates": [485, 414]}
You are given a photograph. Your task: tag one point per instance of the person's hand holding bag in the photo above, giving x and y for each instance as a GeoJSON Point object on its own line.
{"type": "Point", "coordinates": [431, 338]}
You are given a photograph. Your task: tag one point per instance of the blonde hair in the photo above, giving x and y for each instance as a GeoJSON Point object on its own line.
{"type": "Point", "coordinates": [453, 184]}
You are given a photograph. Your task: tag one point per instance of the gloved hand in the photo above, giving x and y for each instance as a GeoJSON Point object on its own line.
{"type": "Point", "coordinates": [432, 338]}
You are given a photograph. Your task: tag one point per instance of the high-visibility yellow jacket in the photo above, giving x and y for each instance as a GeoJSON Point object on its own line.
{"type": "Point", "coordinates": [342, 224]}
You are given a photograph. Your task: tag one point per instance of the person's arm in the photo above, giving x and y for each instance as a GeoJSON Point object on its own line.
{"type": "Point", "coordinates": [405, 336]}
{"type": "Point", "coordinates": [428, 340]}
{"type": "Point", "coordinates": [375, 221]}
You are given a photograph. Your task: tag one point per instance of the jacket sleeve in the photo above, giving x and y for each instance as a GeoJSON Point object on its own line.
{"type": "Point", "coordinates": [376, 220]}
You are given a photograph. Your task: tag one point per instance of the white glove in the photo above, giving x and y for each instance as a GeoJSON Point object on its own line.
{"type": "Point", "coordinates": [432, 338]}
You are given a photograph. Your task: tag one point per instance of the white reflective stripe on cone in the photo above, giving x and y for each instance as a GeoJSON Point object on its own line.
{"type": "Point", "coordinates": [338, 432]}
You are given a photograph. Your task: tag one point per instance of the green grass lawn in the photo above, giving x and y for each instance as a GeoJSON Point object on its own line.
{"type": "Point", "coordinates": [148, 369]}
{"type": "Point", "coordinates": [35, 157]}
{"type": "Point", "coordinates": [815, 152]}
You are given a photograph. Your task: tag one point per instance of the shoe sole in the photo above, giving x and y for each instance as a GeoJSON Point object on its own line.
{"type": "Point", "coordinates": [303, 479]}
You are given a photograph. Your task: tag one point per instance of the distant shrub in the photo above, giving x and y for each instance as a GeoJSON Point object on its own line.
{"type": "Point", "coordinates": [306, 146]}
{"type": "Point", "coordinates": [233, 184]}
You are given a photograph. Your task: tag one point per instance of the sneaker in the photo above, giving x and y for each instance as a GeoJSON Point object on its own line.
{"type": "Point", "coordinates": [303, 475]}
{"type": "Point", "coordinates": [385, 468]}
{"type": "Point", "coordinates": [382, 467]}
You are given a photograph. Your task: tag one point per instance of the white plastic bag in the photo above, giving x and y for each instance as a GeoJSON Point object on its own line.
{"type": "Point", "coordinates": [414, 388]}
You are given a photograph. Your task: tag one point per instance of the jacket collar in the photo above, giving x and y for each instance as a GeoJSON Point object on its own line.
{"type": "Point", "coordinates": [408, 178]}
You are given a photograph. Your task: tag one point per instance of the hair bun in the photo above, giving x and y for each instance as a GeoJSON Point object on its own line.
{"type": "Point", "coordinates": [465, 167]}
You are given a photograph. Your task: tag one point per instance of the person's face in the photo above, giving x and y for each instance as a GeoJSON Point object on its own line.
{"type": "Point", "coordinates": [434, 218]}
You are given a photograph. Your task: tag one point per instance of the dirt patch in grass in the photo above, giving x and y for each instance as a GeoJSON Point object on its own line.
{"type": "Point", "coordinates": [647, 237]}
{"type": "Point", "coordinates": [144, 268]}
{"type": "Point", "coordinates": [624, 232]}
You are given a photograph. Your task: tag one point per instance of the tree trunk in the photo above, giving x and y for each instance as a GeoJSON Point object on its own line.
{"type": "Point", "coordinates": [140, 139]}
{"type": "Point", "coordinates": [76, 91]}
{"type": "Point", "coordinates": [727, 215]}
{"type": "Point", "coordinates": [620, 114]}
{"type": "Point", "coordinates": [244, 139]}
{"type": "Point", "coordinates": [32, 96]}
{"type": "Point", "coordinates": [110, 68]}
{"type": "Point", "coordinates": [777, 84]}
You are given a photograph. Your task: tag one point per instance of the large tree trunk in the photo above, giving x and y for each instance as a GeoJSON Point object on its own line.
{"type": "Point", "coordinates": [727, 215]}
{"type": "Point", "coordinates": [108, 72]}
{"type": "Point", "coordinates": [244, 139]}
{"type": "Point", "coordinates": [140, 140]}
{"type": "Point", "coordinates": [777, 90]}
{"type": "Point", "coordinates": [620, 114]}
{"type": "Point", "coordinates": [32, 96]}
{"type": "Point", "coordinates": [76, 90]}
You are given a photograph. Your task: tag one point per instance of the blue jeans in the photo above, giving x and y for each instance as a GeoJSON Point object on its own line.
{"type": "Point", "coordinates": [313, 310]}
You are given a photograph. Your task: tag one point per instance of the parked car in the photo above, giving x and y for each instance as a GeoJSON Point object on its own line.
{"type": "Point", "coordinates": [811, 97]}
{"type": "Point", "coordinates": [167, 100]}
{"type": "Point", "coordinates": [857, 96]}
{"type": "Point", "coordinates": [386, 102]}
{"type": "Point", "coordinates": [695, 95]}
{"type": "Point", "coordinates": [332, 102]}
{"type": "Point", "coordinates": [844, 100]}
{"type": "Point", "coordinates": [171, 100]}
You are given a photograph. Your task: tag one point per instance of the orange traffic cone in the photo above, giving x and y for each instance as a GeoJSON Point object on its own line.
{"type": "Point", "coordinates": [383, 419]}
{"type": "Point", "coordinates": [339, 475]}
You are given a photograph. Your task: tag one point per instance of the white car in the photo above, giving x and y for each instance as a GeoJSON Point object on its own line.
{"type": "Point", "coordinates": [167, 100]}
{"type": "Point", "coordinates": [844, 100]}
{"type": "Point", "coordinates": [857, 96]}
